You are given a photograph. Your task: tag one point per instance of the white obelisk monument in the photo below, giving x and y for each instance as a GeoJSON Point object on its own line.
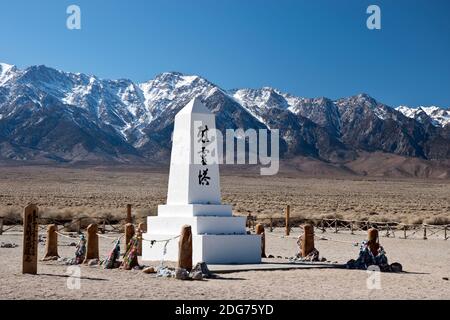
{"type": "Point", "coordinates": [194, 199]}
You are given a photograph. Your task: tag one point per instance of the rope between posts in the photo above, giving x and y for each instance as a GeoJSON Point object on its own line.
{"type": "Point", "coordinates": [278, 236]}
{"type": "Point", "coordinates": [333, 240]}
{"type": "Point", "coordinates": [110, 238]}
{"type": "Point", "coordinates": [317, 237]}
{"type": "Point", "coordinates": [7, 229]}
{"type": "Point", "coordinates": [164, 249]}
{"type": "Point", "coordinates": [64, 235]}
{"type": "Point", "coordinates": [166, 240]}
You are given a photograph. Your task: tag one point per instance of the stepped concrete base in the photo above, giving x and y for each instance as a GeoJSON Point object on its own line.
{"type": "Point", "coordinates": [194, 210]}
{"type": "Point", "coordinates": [214, 249]}
{"type": "Point", "coordinates": [200, 225]}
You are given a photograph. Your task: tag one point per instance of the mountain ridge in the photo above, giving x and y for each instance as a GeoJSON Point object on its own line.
{"type": "Point", "coordinates": [73, 117]}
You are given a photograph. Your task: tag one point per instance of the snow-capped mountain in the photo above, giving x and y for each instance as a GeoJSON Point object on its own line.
{"type": "Point", "coordinates": [67, 117]}
{"type": "Point", "coordinates": [6, 72]}
{"type": "Point", "coordinates": [440, 117]}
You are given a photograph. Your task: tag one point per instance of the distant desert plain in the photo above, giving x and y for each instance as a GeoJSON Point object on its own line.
{"type": "Point", "coordinates": [62, 193]}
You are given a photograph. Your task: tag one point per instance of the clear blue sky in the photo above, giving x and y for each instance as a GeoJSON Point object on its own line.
{"type": "Point", "coordinates": [308, 48]}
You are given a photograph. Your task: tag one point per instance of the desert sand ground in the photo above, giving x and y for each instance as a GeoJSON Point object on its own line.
{"type": "Point", "coordinates": [425, 263]}
{"type": "Point", "coordinates": [68, 192]}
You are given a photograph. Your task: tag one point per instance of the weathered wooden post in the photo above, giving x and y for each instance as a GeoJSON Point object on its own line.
{"type": "Point", "coordinates": [79, 224]}
{"type": "Point", "coordinates": [260, 231]}
{"type": "Point", "coordinates": [1, 226]}
{"type": "Point", "coordinates": [288, 213]}
{"type": "Point", "coordinates": [445, 233]}
{"type": "Point", "coordinates": [388, 233]}
{"type": "Point", "coordinates": [351, 227]}
{"type": "Point", "coordinates": [92, 243]}
{"type": "Point", "coordinates": [271, 224]}
{"type": "Point", "coordinates": [373, 242]}
{"type": "Point", "coordinates": [104, 226]}
{"type": "Point", "coordinates": [336, 225]}
{"type": "Point", "coordinates": [129, 233]}
{"type": "Point", "coordinates": [142, 227]}
{"type": "Point", "coordinates": [322, 224]}
{"type": "Point", "coordinates": [307, 240]}
{"type": "Point", "coordinates": [425, 232]}
{"type": "Point", "coordinates": [249, 220]}
{"type": "Point", "coordinates": [30, 239]}
{"type": "Point", "coordinates": [129, 219]}
{"type": "Point", "coordinates": [185, 248]}
{"type": "Point", "coordinates": [404, 231]}
{"type": "Point", "coordinates": [51, 245]}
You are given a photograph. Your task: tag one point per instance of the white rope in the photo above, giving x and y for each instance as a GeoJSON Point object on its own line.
{"type": "Point", "coordinates": [317, 237]}
{"type": "Point", "coordinates": [328, 239]}
{"type": "Point", "coordinates": [166, 240]}
{"type": "Point", "coordinates": [280, 236]}
{"type": "Point", "coordinates": [66, 236]}
{"type": "Point", "coordinates": [110, 238]}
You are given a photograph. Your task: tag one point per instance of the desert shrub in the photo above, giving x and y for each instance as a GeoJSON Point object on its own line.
{"type": "Point", "coordinates": [146, 212]}
{"type": "Point", "coordinates": [76, 223]}
{"type": "Point", "coordinates": [416, 220]}
{"type": "Point", "coordinates": [11, 215]}
{"type": "Point", "coordinates": [438, 220]}
{"type": "Point", "coordinates": [332, 216]}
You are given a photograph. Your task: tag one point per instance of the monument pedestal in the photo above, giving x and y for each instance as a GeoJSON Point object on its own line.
{"type": "Point", "coordinates": [194, 199]}
{"type": "Point", "coordinates": [214, 249]}
{"type": "Point", "coordinates": [218, 239]}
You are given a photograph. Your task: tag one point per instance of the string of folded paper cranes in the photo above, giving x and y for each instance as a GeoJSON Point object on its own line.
{"type": "Point", "coordinates": [133, 243]}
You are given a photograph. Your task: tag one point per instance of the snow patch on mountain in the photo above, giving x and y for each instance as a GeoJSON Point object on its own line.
{"type": "Point", "coordinates": [440, 116]}
{"type": "Point", "coordinates": [131, 117]}
{"type": "Point", "coordinates": [7, 72]}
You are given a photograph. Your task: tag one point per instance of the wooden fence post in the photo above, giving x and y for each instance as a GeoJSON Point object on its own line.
{"type": "Point", "coordinates": [425, 232]}
{"type": "Point", "coordinates": [404, 231]}
{"type": "Point", "coordinates": [128, 219]}
{"type": "Point", "coordinates": [30, 239]}
{"type": "Point", "coordinates": [142, 227]}
{"type": "Point", "coordinates": [92, 243]}
{"type": "Point", "coordinates": [387, 234]}
{"type": "Point", "coordinates": [271, 224]}
{"type": "Point", "coordinates": [335, 226]}
{"type": "Point", "coordinates": [129, 233]}
{"type": "Point", "coordinates": [288, 213]}
{"type": "Point", "coordinates": [322, 224]}
{"type": "Point", "coordinates": [79, 224]}
{"type": "Point", "coordinates": [104, 226]}
{"type": "Point", "coordinates": [445, 233]}
{"type": "Point", "coordinates": [51, 245]}
{"type": "Point", "coordinates": [1, 226]}
{"type": "Point", "coordinates": [185, 248]}
{"type": "Point", "coordinates": [373, 241]}
{"type": "Point", "coordinates": [351, 227]}
{"type": "Point", "coordinates": [391, 231]}
{"type": "Point", "coordinates": [307, 240]}
{"type": "Point", "coordinates": [260, 231]}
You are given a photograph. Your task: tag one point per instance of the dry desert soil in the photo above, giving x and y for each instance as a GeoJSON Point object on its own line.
{"type": "Point", "coordinates": [425, 264]}
{"type": "Point", "coordinates": [68, 192]}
